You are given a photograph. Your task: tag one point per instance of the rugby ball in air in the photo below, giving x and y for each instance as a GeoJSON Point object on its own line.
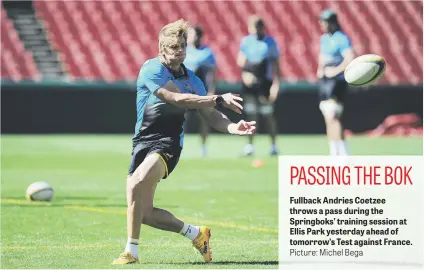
{"type": "Point", "coordinates": [39, 191]}
{"type": "Point", "coordinates": [365, 70]}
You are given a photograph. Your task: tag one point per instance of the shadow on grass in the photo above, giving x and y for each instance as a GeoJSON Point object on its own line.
{"type": "Point", "coordinates": [233, 262]}
{"type": "Point", "coordinates": [294, 263]}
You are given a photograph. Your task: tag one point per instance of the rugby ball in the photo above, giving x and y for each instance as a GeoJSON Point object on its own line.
{"type": "Point", "coordinates": [365, 70]}
{"type": "Point", "coordinates": [39, 191]}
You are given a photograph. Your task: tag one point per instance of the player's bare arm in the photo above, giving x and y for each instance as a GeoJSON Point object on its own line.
{"type": "Point", "coordinates": [275, 87]}
{"type": "Point", "coordinates": [241, 60]}
{"type": "Point", "coordinates": [248, 77]}
{"type": "Point", "coordinates": [320, 71]}
{"type": "Point", "coordinates": [331, 72]}
{"type": "Point", "coordinates": [169, 93]}
{"type": "Point", "coordinates": [220, 122]}
{"type": "Point", "coordinates": [211, 79]}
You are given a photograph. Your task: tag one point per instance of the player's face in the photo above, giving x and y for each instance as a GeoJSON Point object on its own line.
{"type": "Point", "coordinates": [256, 30]}
{"type": "Point", "coordinates": [176, 51]}
{"type": "Point", "coordinates": [324, 26]}
{"type": "Point", "coordinates": [260, 31]}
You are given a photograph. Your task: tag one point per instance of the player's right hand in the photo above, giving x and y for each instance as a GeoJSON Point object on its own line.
{"type": "Point", "coordinates": [231, 101]}
{"type": "Point", "coordinates": [242, 128]}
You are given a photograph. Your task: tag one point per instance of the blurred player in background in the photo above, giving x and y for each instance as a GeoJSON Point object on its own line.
{"type": "Point", "coordinates": [201, 60]}
{"type": "Point", "coordinates": [335, 54]}
{"type": "Point", "coordinates": [165, 90]}
{"type": "Point", "coordinates": [259, 62]}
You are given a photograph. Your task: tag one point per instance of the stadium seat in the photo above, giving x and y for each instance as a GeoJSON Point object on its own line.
{"type": "Point", "coordinates": [111, 40]}
{"type": "Point", "coordinates": [17, 63]}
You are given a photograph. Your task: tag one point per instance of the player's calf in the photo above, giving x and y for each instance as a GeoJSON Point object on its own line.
{"type": "Point", "coordinates": [267, 112]}
{"type": "Point", "coordinates": [251, 111]}
{"type": "Point", "coordinates": [163, 220]}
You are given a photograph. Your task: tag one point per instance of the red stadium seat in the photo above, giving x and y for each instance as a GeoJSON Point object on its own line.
{"type": "Point", "coordinates": [17, 63]}
{"type": "Point", "coordinates": [111, 40]}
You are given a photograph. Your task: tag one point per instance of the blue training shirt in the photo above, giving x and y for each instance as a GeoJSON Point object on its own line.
{"type": "Point", "coordinates": [257, 51]}
{"type": "Point", "coordinates": [200, 60]}
{"type": "Point", "coordinates": [157, 120]}
{"type": "Point", "coordinates": [333, 48]}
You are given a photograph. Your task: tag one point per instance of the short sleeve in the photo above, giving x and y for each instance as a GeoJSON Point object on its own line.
{"type": "Point", "coordinates": [274, 51]}
{"type": "Point", "coordinates": [344, 44]}
{"type": "Point", "coordinates": [243, 44]}
{"type": "Point", "coordinates": [154, 75]}
{"type": "Point", "coordinates": [199, 87]}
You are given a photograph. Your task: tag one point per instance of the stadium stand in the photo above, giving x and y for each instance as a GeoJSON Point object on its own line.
{"type": "Point", "coordinates": [110, 40]}
{"type": "Point", "coordinates": [17, 63]}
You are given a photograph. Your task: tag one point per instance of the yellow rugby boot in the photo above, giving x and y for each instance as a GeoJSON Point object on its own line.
{"type": "Point", "coordinates": [201, 243]}
{"type": "Point", "coordinates": [126, 258]}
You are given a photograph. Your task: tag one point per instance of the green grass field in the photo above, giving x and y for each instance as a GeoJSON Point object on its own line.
{"type": "Point", "coordinates": [84, 227]}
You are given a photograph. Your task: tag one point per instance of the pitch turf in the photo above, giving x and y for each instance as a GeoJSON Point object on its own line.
{"type": "Point", "coordinates": [84, 227]}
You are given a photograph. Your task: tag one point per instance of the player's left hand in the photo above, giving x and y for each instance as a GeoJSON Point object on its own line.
{"type": "Point", "coordinates": [242, 128]}
{"type": "Point", "coordinates": [330, 72]}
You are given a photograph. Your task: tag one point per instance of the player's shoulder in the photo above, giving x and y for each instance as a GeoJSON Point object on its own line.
{"type": "Point", "coordinates": [340, 35]}
{"type": "Point", "coordinates": [191, 49]}
{"type": "Point", "coordinates": [207, 50]}
{"type": "Point", "coordinates": [270, 39]}
{"type": "Point", "coordinates": [154, 66]}
{"type": "Point", "coordinates": [247, 38]}
{"type": "Point", "coordinates": [324, 37]}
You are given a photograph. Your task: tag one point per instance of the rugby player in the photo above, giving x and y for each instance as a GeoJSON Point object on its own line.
{"type": "Point", "coordinates": [259, 62]}
{"type": "Point", "coordinates": [335, 54]}
{"type": "Point", "coordinates": [165, 90]}
{"type": "Point", "coordinates": [201, 60]}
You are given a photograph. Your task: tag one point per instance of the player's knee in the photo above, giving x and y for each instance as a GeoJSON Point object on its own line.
{"type": "Point", "coordinates": [331, 110]}
{"type": "Point", "coordinates": [133, 183]}
{"type": "Point", "coordinates": [267, 110]}
{"type": "Point", "coordinates": [145, 176]}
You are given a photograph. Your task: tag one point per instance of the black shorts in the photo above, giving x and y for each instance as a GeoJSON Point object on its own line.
{"type": "Point", "coordinates": [332, 89]}
{"type": "Point", "coordinates": [169, 154]}
{"type": "Point", "coordinates": [260, 89]}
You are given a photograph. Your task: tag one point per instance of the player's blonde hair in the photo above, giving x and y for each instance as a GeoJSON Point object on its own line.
{"type": "Point", "coordinates": [172, 32]}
